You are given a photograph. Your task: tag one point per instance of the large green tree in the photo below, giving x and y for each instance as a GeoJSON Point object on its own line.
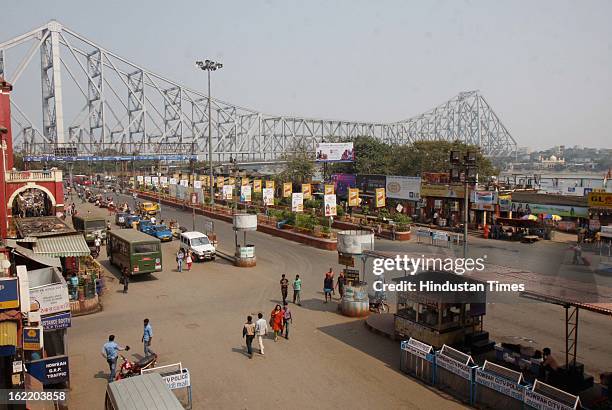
{"type": "Point", "coordinates": [434, 156]}
{"type": "Point", "coordinates": [371, 157]}
{"type": "Point", "coordinates": [299, 168]}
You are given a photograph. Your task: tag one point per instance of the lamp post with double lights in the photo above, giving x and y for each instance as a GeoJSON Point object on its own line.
{"type": "Point", "coordinates": [208, 66]}
{"type": "Point", "coordinates": [463, 169]}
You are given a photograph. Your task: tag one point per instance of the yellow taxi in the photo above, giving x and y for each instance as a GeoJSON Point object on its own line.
{"type": "Point", "coordinates": [149, 208]}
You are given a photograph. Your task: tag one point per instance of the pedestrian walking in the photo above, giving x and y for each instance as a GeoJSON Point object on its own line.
{"type": "Point", "coordinates": [261, 329]}
{"type": "Point", "coordinates": [97, 244]}
{"type": "Point", "coordinates": [189, 260]}
{"type": "Point", "coordinates": [340, 283]}
{"type": "Point", "coordinates": [284, 284]}
{"type": "Point", "coordinates": [125, 278]}
{"type": "Point", "coordinates": [328, 286]}
{"type": "Point", "coordinates": [180, 256]}
{"type": "Point", "coordinates": [248, 331]}
{"type": "Point", "coordinates": [147, 338]}
{"type": "Point", "coordinates": [287, 318]}
{"type": "Point", "coordinates": [110, 351]}
{"type": "Point", "coordinates": [276, 321]}
{"type": "Point", "coordinates": [331, 275]}
{"type": "Point", "coordinates": [297, 290]}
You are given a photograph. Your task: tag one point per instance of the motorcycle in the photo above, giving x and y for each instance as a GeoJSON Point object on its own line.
{"type": "Point", "coordinates": [378, 303]}
{"type": "Point", "coordinates": [95, 252]}
{"type": "Point", "coordinates": [129, 368]}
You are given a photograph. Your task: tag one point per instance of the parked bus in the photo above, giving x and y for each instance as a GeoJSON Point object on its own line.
{"type": "Point", "coordinates": [90, 227]}
{"type": "Point", "coordinates": [137, 251]}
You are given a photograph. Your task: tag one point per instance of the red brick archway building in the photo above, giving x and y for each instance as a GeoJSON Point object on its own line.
{"type": "Point", "coordinates": [13, 182]}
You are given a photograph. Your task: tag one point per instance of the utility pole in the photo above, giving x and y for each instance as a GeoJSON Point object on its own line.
{"type": "Point", "coordinates": [464, 170]}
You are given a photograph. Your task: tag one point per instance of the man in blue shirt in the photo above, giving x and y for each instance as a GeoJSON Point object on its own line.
{"type": "Point", "coordinates": [110, 351]}
{"type": "Point", "coordinates": [147, 336]}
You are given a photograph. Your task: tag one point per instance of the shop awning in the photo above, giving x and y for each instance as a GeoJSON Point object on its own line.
{"type": "Point", "coordinates": [42, 259]}
{"type": "Point", "coordinates": [62, 246]}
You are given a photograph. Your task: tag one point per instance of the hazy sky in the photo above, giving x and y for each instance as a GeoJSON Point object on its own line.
{"type": "Point", "coordinates": [544, 66]}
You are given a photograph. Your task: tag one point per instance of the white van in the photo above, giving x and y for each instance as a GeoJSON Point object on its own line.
{"type": "Point", "coordinates": [198, 244]}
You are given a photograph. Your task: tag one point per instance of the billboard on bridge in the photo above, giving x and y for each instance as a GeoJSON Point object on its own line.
{"type": "Point", "coordinates": [335, 152]}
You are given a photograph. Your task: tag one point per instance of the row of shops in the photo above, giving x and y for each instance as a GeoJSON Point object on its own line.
{"type": "Point", "coordinates": [48, 276]}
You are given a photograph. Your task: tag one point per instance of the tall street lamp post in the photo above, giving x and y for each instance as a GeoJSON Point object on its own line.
{"type": "Point", "coordinates": [464, 170]}
{"type": "Point", "coordinates": [208, 66]}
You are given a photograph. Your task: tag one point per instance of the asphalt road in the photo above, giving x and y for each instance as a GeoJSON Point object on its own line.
{"type": "Point", "coordinates": [329, 361]}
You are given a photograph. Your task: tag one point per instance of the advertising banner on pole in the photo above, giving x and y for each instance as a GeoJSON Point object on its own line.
{"type": "Point", "coordinates": [329, 189]}
{"type": "Point", "coordinates": [335, 152]}
{"type": "Point", "coordinates": [380, 197]}
{"type": "Point", "coordinates": [184, 183]}
{"type": "Point", "coordinates": [220, 182]}
{"type": "Point", "coordinates": [297, 202]}
{"type": "Point", "coordinates": [268, 196]}
{"type": "Point", "coordinates": [257, 185]}
{"type": "Point", "coordinates": [231, 181]}
{"type": "Point", "coordinates": [163, 181]}
{"type": "Point", "coordinates": [155, 181]}
{"type": "Point", "coordinates": [306, 191]}
{"type": "Point", "coordinates": [287, 189]}
{"type": "Point", "coordinates": [270, 184]}
{"type": "Point", "coordinates": [244, 181]}
{"type": "Point", "coordinates": [330, 205]}
{"type": "Point", "coordinates": [353, 197]}
{"type": "Point", "coordinates": [245, 193]}
{"type": "Point", "coordinates": [51, 298]}
{"type": "Point", "coordinates": [140, 179]}
{"type": "Point", "coordinates": [147, 180]}
{"type": "Point", "coordinates": [227, 192]}
{"type": "Point", "coordinates": [197, 184]}
{"type": "Point", "coordinates": [173, 181]}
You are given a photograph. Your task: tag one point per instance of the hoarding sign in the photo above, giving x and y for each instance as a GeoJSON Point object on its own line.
{"type": "Point", "coordinates": [231, 181]}
{"type": "Point", "coordinates": [220, 182]}
{"type": "Point", "coordinates": [244, 181]}
{"type": "Point", "coordinates": [268, 196]}
{"type": "Point", "coordinates": [270, 184]}
{"type": "Point", "coordinates": [539, 401]}
{"type": "Point", "coordinates": [184, 183]}
{"type": "Point", "coordinates": [443, 191]}
{"type": "Point", "coordinates": [245, 193]}
{"type": "Point", "coordinates": [297, 202]}
{"type": "Point", "coordinates": [342, 183]}
{"type": "Point", "coordinates": [51, 298]}
{"type": "Point", "coordinates": [51, 370]}
{"type": "Point", "coordinates": [335, 152]}
{"type": "Point", "coordinates": [257, 185]}
{"type": "Point", "coordinates": [287, 189]}
{"type": "Point", "coordinates": [173, 181]}
{"type": "Point", "coordinates": [330, 205]}
{"type": "Point", "coordinates": [329, 189]}
{"type": "Point", "coordinates": [453, 366]}
{"type": "Point", "coordinates": [147, 180]}
{"type": "Point", "coordinates": [58, 321]}
{"type": "Point", "coordinates": [155, 180]}
{"type": "Point", "coordinates": [227, 192]}
{"type": "Point", "coordinates": [600, 199]}
{"type": "Point", "coordinates": [370, 183]}
{"type": "Point", "coordinates": [399, 187]}
{"type": "Point", "coordinates": [140, 179]}
{"type": "Point", "coordinates": [9, 293]}
{"type": "Point", "coordinates": [484, 200]}
{"type": "Point", "coordinates": [306, 191]}
{"type": "Point", "coordinates": [353, 197]}
{"type": "Point", "coordinates": [561, 210]}
{"type": "Point", "coordinates": [163, 180]}
{"type": "Point", "coordinates": [351, 275]}
{"type": "Point", "coordinates": [380, 197]}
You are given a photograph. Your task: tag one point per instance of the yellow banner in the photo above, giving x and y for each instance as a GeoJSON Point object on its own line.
{"type": "Point", "coordinates": [270, 184]}
{"type": "Point", "coordinates": [600, 199]}
{"type": "Point", "coordinates": [329, 189]}
{"type": "Point", "coordinates": [220, 182]}
{"type": "Point", "coordinates": [244, 181]}
{"type": "Point", "coordinates": [306, 191]}
{"type": "Point", "coordinates": [231, 181]}
{"type": "Point", "coordinates": [353, 197]}
{"type": "Point", "coordinates": [380, 197]}
{"type": "Point", "coordinates": [442, 191]}
{"type": "Point", "coordinates": [287, 189]}
{"type": "Point", "coordinates": [257, 185]}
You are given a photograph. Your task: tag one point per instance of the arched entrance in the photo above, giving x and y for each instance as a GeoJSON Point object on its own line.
{"type": "Point", "coordinates": [32, 201]}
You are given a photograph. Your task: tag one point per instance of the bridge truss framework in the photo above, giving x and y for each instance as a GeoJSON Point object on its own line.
{"type": "Point", "coordinates": [128, 110]}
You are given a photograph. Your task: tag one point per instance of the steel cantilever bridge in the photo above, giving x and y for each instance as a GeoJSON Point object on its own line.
{"type": "Point", "coordinates": [98, 105]}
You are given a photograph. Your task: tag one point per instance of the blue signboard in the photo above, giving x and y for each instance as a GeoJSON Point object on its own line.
{"type": "Point", "coordinates": [31, 338]}
{"type": "Point", "coordinates": [9, 293]}
{"type": "Point", "coordinates": [51, 370]}
{"type": "Point", "coordinates": [60, 321]}
{"type": "Point", "coordinates": [94, 158]}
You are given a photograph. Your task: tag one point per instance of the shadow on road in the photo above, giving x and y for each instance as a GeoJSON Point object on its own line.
{"type": "Point", "coordinates": [320, 305]}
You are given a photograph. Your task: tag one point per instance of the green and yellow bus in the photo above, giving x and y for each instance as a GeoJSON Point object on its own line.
{"type": "Point", "coordinates": [137, 251]}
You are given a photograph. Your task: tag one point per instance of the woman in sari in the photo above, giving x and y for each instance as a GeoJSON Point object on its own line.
{"type": "Point", "coordinates": [276, 321]}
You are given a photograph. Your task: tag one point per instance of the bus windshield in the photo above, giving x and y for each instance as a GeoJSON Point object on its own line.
{"type": "Point", "coordinates": [146, 247]}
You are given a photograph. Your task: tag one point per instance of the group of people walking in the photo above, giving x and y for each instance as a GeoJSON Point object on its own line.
{"type": "Point", "coordinates": [329, 288]}
{"type": "Point", "coordinates": [184, 258]}
{"type": "Point", "coordinates": [111, 349]}
{"type": "Point", "coordinates": [280, 320]}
